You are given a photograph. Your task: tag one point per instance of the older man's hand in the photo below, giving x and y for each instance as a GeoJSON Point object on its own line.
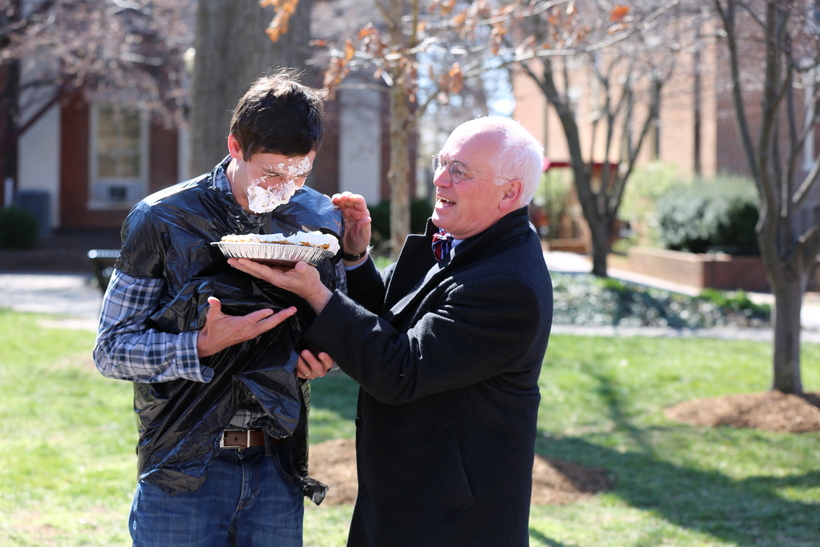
{"type": "Point", "coordinates": [357, 222]}
{"type": "Point", "coordinates": [303, 280]}
{"type": "Point", "coordinates": [313, 365]}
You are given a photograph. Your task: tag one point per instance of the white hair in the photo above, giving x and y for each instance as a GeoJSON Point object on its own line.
{"type": "Point", "coordinates": [519, 156]}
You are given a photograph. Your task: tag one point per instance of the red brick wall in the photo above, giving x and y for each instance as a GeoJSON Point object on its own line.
{"type": "Point", "coordinates": [699, 270]}
{"type": "Point", "coordinates": [163, 155]}
{"type": "Point", "coordinates": [74, 174]}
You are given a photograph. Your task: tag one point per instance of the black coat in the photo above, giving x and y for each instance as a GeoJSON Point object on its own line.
{"type": "Point", "coordinates": [449, 397]}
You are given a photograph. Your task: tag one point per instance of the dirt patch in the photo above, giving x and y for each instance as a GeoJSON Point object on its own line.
{"type": "Point", "coordinates": [557, 482]}
{"type": "Point", "coordinates": [334, 463]}
{"type": "Point", "coordinates": [769, 411]}
{"type": "Point", "coordinates": [553, 481]}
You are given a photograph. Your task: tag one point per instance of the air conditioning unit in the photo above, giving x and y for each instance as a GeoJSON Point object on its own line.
{"type": "Point", "coordinates": [117, 193]}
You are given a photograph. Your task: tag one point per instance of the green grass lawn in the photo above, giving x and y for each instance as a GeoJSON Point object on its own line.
{"type": "Point", "coordinates": [68, 466]}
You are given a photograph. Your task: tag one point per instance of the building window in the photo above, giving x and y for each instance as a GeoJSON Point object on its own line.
{"type": "Point", "coordinates": [812, 120]}
{"type": "Point", "coordinates": [813, 15]}
{"type": "Point", "coordinates": [118, 157]}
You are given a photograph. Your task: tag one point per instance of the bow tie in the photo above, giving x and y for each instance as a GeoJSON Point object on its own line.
{"type": "Point", "coordinates": [442, 243]}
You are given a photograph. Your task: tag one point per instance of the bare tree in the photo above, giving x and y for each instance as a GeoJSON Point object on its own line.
{"type": "Point", "coordinates": [391, 48]}
{"type": "Point", "coordinates": [625, 56]}
{"type": "Point", "coordinates": [411, 44]}
{"type": "Point", "coordinates": [776, 35]}
{"type": "Point", "coordinates": [112, 49]}
{"type": "Point", "coordinates": [444, 42]}
{"type": "Point", "coordinates": [232, 50]}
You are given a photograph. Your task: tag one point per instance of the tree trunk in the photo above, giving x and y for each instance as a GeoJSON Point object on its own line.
{"type": "Point", "coordinates": [232, 50]}
{"type": "Point", "coordinates": [399, 172]}
{"type": "Point", "coordinates": [598, 223]}
{"type": "Point", "coordinates": [788, 298]}
{"type": "Point", "coordinates": [599, 230]}
{"type": "Point", "coordinates": [788, 279]}
{"type": "Point", "coordinates": [9, 99]}
{"type": "Point", "coordinates": [11, 123]}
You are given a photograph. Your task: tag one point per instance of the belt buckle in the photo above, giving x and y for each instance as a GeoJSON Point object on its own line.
{"type": "Point", "coordinates": [247, 438]}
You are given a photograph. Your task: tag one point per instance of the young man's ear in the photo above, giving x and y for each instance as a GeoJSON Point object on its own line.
{"type": "Point", "coordinates": [512, 194]}
{"type": "Point", "coordinates": [234, 148]}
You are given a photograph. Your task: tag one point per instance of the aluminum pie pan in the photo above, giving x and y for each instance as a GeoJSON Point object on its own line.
{"type": "Point", "coordinates": [273, 254]}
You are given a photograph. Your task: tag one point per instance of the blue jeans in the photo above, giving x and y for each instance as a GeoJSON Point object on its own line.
{"type": "Point", "coordinates": [245, 501]}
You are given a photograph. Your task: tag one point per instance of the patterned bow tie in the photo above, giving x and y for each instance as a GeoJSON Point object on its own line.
{"type": "Point", "coordinates": [442, 243]}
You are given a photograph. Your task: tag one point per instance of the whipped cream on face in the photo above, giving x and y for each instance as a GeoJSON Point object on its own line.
{"type": "Point", "coordinates": [307, 239]}
{"type": "Point", "coordinates": [264, 200]}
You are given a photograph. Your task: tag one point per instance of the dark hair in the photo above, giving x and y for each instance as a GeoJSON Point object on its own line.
{"type": "Point", "coordinates": [278, 115]}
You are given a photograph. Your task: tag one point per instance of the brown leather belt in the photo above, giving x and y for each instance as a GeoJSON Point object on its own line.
{"type": "Point", "coordinates": [245, 438]}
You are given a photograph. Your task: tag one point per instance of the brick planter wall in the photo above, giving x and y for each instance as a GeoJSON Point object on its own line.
{"type": "Point", "coordinates": [716, 271]}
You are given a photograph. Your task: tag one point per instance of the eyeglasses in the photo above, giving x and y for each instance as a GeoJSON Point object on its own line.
{"type": "Point", "coordinates": [455, 169]}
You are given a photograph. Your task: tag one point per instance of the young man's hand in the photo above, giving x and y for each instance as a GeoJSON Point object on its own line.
{"type": "Point", "coordinates": [221, 331]}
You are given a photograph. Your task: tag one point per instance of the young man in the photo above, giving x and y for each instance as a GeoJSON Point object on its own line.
{"type": "Point", "coordinates": [222, 452]}
{"type": "Point", "coordinates": [447, 352]}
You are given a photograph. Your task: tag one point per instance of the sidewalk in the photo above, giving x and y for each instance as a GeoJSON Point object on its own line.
{"type": "Point", "coordinates": [70, 297]}
{"type": "Point", "coordinates": [76, 302]}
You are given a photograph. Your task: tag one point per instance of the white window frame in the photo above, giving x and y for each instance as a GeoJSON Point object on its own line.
{"type": "Point", "coordinates": [811, 119]}
{"type": "Point", "coordinates": [116, 192]}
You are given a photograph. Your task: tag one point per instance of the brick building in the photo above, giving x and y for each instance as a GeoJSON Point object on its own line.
{"type": "Point", "coordinates": [84, 164]}
{"type": "Point", "coordinates": [696, 131]}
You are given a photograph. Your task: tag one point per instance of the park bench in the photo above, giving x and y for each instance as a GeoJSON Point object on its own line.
{"type": "Point", "coordinates": [102, 265]}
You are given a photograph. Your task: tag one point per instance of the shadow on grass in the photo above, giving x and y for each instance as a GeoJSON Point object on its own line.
{"type": "Point", "coordinates": [744, 512]}
{"type": "Point", "coordinates": [741, 512]}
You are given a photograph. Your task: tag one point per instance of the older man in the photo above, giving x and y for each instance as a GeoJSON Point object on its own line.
{"type": "Point", "coordinates": [447, 352]}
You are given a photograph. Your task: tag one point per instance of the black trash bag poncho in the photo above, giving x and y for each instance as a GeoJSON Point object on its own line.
{"type": "Point", "coordinates": [168, 236]}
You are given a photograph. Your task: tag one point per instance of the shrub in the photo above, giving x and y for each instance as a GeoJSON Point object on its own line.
{"type": "Point", "coordinates": [552, 197]}
{"type": "Point", "coordinates": [718, 214]}
{"type": "Point", "coordinates": [640, 202]}
{"type": "Point", "coordinates": [736, 301]}
{"type": "Point", "coordinates": [18, 228]}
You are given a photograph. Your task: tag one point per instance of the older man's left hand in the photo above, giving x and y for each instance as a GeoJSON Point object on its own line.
{"type": "Point", "coordinates": [313, 365]}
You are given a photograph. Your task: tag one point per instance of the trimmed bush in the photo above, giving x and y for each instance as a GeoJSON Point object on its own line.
{"type": "Point", "coordinates": [639, 205]}
{"type": "Point", "coordinates": [18, 228]}
{"type": "Point", "coordinates": [715, 215]}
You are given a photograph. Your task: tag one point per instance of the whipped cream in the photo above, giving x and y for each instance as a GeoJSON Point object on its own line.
{"type": "Point", "coordinates": [264, 200]}
{"type": "Point", "coordinates": [306, 239]}
{"type": "Point", "coordinates": [291, 176]}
